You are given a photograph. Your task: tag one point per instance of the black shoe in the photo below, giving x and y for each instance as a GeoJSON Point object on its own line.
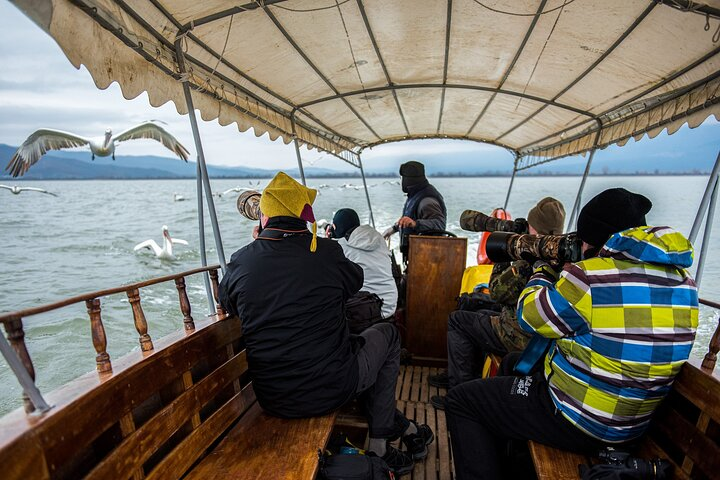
{"type": "Point", "coordinates": [416, 443]}
{"type": "Point", "coordinates": [438, 401]}
{"type": "Point", "coordinates": [400, 463]}
{"type": "Point", "coordinates": [440, 380]}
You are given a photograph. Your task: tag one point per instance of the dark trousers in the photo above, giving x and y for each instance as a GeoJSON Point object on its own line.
{"type": "Point", "coordinates": [482, 415]}
{"type": "Point", "coordinates": [379, 366]}
{"type": "Point", "coordinates": [470, 337]}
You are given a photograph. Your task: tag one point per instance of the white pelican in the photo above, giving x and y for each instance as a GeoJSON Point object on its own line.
{"type": "Point", "coordinates": [178, 198]}
{"type": "Point", "coordinates": [164, 253]}
{"type": "Point", "coordinates": [43, 140]}
{"type": "Point", "coordinates": [16, 190]}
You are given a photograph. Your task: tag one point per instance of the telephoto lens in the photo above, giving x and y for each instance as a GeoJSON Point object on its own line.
{"type": "Point", "coordinates": [474, 221]}
{"type": "Point", "coordinates": [248, 204]}
{"type": "Point", "coordinates": [554, 249]}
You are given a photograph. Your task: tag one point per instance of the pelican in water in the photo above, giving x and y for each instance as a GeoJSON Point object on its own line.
{"type": "Point", "coordinates": [44, 140]}
{"type": "Point", "coordinates": [16, 190]}
{"type": "Point", "coordinates": [178, 198]}
{"type": "Point", "coordinates": [164, 253]}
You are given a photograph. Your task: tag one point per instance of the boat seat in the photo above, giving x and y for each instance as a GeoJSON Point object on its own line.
{"type": "Point", "coordinates": [260, 446]}
{"type": "Point", "coordinates": [685, 430]}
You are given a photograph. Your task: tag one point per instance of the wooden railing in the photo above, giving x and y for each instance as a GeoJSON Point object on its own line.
{"type": "Point", "coordinates": [13, 322]}
{"type": "Point", "coordinates": [708, 363]}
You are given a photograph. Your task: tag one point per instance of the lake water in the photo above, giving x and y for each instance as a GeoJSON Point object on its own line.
{"type": "Point", "coordinates": [83, 241]}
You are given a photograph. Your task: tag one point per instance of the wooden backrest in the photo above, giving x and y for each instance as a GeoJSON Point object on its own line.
{"type": "Point", "coordinates": [434, 277]}
{"type": "Point", "coordinates": [152, 416]}
{"type": "Point", "coordinates": [686, 427]}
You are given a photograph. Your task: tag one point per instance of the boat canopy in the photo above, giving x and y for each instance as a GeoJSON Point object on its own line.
{"type": "Point", "coordinates": [542, 78]}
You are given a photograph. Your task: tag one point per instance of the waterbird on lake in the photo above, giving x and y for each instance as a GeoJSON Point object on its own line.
{"type": "Point", "coordinates": [16, 190]}
{"type": "Point", "coordinates": [45, 139]}
{"type": "Point", "coordinates": [166, 252]}
{"type": "Point", "coordinates": [237, 190]}
{"type": "Point", "coordinates": [178, 198]}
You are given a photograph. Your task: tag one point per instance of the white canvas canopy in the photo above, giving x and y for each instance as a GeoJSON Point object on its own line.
{"type": "Point", "coordinates": [542, 78]}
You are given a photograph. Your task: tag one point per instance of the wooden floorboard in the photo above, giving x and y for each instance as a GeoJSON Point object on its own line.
{"type": "Point", "coordinates": [413, 393]}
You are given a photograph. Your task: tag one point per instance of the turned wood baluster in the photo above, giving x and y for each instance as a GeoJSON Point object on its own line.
{"type": "Point", "coordinates": [102, 359]}
{"type": "Point", "coordinates": [216, 292]}
{"type": "Point", "coordinates": [708, 362]}
{"type": "Point", "coordinates": [141, 326]}
{"type": "Point", "coordinates": [184, 304]}
{"type": "Point", "coordinates": [16, 338]}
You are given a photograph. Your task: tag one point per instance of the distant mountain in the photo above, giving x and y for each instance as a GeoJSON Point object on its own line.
{"type": "Point", "coordinates": [66, 165]}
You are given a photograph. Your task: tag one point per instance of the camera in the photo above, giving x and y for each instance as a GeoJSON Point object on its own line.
{"type": "Point", "coordinates": [474, 221]}
{"type": "Point", "coordinates": [554, 249]}
{"type": "Point", "coordinates": [248, 204]}
{"type": "Point", "coordinates": [619, 464]}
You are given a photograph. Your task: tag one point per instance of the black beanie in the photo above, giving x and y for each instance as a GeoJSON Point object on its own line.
{"type": "Point", "coordinates": [609, 212]}
{"type": "Point", "coordinates": [345, 221]}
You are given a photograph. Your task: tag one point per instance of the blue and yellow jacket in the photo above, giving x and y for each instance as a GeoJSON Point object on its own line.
{"type": "Point", "coordinates": [622, 325]}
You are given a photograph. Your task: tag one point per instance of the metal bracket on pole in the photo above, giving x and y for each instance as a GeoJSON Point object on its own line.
{"type": "Point", "coordinates": [201, 232]}
{"type": "Point", "coordinates": [297, 150]}
{"type": "Point", "coordinates": [578, 199]}
{"type": "Point", "coordinates": [512, 180]}
{"type": "Point", "coordinates": [367, 194]}
{"type": "Point", "coordinates": [26, 382]}
{"type": "Point", "coordinates": [200, 156]}
{"type": "Point", "coordinates": [704, 202]}
{"type": "Point", "coordinates": [706, 233]}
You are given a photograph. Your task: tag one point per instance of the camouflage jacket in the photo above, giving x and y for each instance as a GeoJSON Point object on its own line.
{"type": "Point", "coordinates": [506, 283]}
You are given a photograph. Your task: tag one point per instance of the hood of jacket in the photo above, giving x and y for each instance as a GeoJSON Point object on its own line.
{"type": "Point", "coordinates": [366, 238]}
{"type": "Point", "coordinates": [658, 245]}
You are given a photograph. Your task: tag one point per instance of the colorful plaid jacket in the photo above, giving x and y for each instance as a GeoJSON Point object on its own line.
{"type": "Point", "coordinates": [622, 325]}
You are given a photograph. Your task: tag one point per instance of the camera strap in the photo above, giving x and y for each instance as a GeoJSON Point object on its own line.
{"type": "Point", "coordinates": [279, 234]}
{"type": "Point", "coordinates": [532, 354]}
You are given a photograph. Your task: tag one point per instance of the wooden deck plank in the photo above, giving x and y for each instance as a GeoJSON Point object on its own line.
{"type": "Point", "coordinates": [431, 464]}
{"type": "Point", "coordinates": [444, 445]}
{"type": "Point", "coordinates": [419, 471]}
{"type": "Point", "coordinates": [399, 384]}
{"type": "Point", "coordinates": [424, 397]}
{"type": "Point", "coordinates": [416, 384]}
{"type": "Point", "coordinates": [407, 384]}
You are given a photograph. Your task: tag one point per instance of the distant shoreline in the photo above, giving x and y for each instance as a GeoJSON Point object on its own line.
{"type": "Point", "coordinates": [384, 176]}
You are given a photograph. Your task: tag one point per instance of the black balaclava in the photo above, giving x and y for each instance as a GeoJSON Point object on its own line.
{"type": "Point", "coordinates": [413, 176]}
{"type": "Point", "coordinates": [345, 220]}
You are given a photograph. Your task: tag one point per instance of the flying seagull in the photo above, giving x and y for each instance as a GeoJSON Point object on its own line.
{"type": "Point", "coordinates": [16, 190]}
{"type": "Point", "coordinates": [166, 252]}
{"type": "Point", "coordinates": [44, 140]}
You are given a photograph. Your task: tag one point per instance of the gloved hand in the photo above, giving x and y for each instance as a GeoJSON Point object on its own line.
{"type": "Point", "coordinates": [523, 268]}
{"type": "Point", "coordinates": [389, 232]}
{"type": "Point", "coordinates": [546, 269]}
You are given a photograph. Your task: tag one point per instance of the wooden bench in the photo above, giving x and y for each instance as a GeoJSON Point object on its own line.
{"type": "Point", "coordinates": [185, 408]}
{"type": "Point", "coordinates": [685, 430]}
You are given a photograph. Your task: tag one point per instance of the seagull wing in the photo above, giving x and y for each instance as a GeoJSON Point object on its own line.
{"type": "Point", "coordinates": [33, 189]}
{"type": "Point", "coordinates": [37, 144]}
{"type": "Point", "coordinates": [150, 245]}
{"type": "Point", "coordinates": [178, 241]}
{"type": "Point", "coordinates": [154, 132]}
{"type": "Point", "coordinates": [6, 187]}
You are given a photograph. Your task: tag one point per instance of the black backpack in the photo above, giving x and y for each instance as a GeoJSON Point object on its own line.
{"type": "Point", "coordinates": [472, 302]}
{"type": "Point", "coordinates": [362, 310]}
{"type": "Point", "coordinates": [354, 467]}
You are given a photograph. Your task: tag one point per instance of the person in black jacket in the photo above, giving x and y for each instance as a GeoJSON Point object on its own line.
{"type": "Point", "coordinates": [289, 287]}
{"type": "Point", "coordinates": [424, 209]}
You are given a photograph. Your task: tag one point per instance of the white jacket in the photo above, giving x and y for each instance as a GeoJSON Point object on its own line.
{"type": "Point", "coordinates": [367, 248]}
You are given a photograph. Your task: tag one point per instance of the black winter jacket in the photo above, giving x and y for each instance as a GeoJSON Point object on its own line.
{"type": "Point", "coordinates": [291, 304]}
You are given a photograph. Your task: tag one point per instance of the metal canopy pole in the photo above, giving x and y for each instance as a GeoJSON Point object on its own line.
{"type": "Point", "coordinates": [201, 232]}
{"type": "Point", "coordinates": [297, 151]}
{"type": "Point", "coordinates": [367, 194]}
{"type": "Point", "coordinates": [200, 155]}
{"type": "Point", "coordinates": [704, 203]}
{"type": "Point", "coordinates": [578, 199]}
{"type": "Point", "coordinates": [706, 233]}
{"type": "Point", "coordinates": [512, 180]}
{"type": "Point", "coordinates": [26, 382]}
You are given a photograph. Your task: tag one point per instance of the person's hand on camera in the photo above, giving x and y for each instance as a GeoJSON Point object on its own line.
{"type": "Point", "coordinates": [406, 222]}
{"type": "Point", "coordinates": [256, 231]}
{"type": "Point", "coordinates": [389, 232]}
{"type": "Point", "coordinates": [544, 268]}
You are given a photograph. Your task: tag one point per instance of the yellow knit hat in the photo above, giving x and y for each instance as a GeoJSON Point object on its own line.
{"type": "Point", "coordinates": [284, 197]}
